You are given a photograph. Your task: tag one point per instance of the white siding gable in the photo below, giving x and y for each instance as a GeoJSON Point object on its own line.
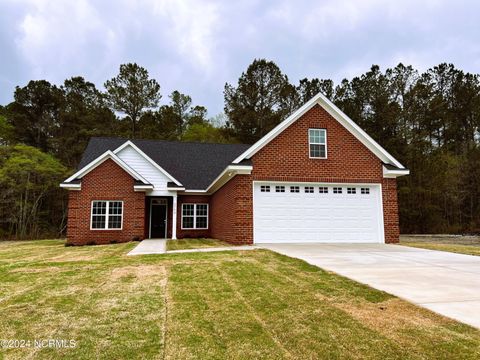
{"type": "Point", "coordinates": [138, 163]}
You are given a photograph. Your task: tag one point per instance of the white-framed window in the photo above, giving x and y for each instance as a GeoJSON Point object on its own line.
{"type": "Point", "coordinates": [265, 188]}
{"type": "Point", "coordinates": [365, 191]}
{"type": "Point", "coordinates": [323, 190]}
{"type": "Point", "coordinates": [106, 215]}
{"type": "Point", "coordinates": [195, 216]}
{"type": "Point", "coordinates": [280, 188]}
{"type": "Point", "coordinates": [309, 189]}
{"type": "Point", "coordinates": [294, 189]}
{"type": "Point", "coordinates": [337, 190]}
{"type": "Point", "coordinates": [317, 143]}
{"type": "Point", "coordinates": [351, 190]}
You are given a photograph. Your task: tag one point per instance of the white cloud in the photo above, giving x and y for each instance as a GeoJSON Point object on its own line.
{"type": "Point", "coordinates": [196, 46]}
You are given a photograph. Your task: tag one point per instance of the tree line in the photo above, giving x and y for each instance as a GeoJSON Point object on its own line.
{"type": "Point", "coordinates": [429, 121]}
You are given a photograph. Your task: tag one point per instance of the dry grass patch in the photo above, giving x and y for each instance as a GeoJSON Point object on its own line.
{"type": "Point", "coordinates": [184, 244]}
{"type": "Point", "coordinates": [225, 305]}
{"type": "Point", "coordinates": [468, 245]}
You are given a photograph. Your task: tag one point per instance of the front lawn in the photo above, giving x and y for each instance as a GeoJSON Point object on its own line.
{"type": "Point", "coordinates": [185, 244]}
{"type": "Point", "coordinates": [221, 305]}
{"type": "Point", "coordinates": [469, 245]}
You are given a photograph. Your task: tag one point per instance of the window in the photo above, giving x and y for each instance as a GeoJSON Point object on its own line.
{"type": "Point", "coordinates": [351, 191]}
{"type": "Point", "coordinates": [279, 188]}
{"type": "Point", "coordinates": [294, 189]}
{"type": "Point", "coordinates": [323, 190]}
{"type": "Point", "coordinates": [365, 191]}
{"type": "Point", "coordinates": [265, 188]}
{"type": "Point", "coordinates": [309, 189]}
{"type": "Point", "coordinates": [194, 216]}
{"type": "Point", "coordinates": [317, 142]}
{"type": "Point", "coordinates": [106, 215]}
{"type": "Point", "coordinates": [337, 190]}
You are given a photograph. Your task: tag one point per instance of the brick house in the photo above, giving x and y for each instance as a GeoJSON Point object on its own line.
{"type": "Point", "coordinates": [316, 177]}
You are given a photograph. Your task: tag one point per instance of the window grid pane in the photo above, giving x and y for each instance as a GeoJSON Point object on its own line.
{"type": "Point", "coordinates": [187, 222]}
{"type": "Point", "coordinates": [323, 190]}
{"type": "Point", "coordinates": [107, 214]}
{"type": "Point", "coordinates": [187, 209]}
{"type": "Point", "coordinates": [195, 216]}
{"type": "Point", "coordinates": [280, 189]}
{"type": "Point", "coordinates": [201, 222]}
{"type": "Point", "coordinates": [317, 140]}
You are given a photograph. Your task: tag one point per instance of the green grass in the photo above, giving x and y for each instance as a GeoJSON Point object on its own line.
{"type": "Point", "coordinates": [469, 245]}
{"type": "Point", "coordinates": [222, 305]}
{"type": "Point", "coordinates": [184, 244]}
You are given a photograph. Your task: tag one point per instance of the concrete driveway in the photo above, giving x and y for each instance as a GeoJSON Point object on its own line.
{"type": "Point", "coordinates": [444, 282]}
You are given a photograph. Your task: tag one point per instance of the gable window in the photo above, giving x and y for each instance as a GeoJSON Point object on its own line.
{"type": "Point", "coordinates": [317, 142]}
{"type": "Point", "coordinates": [365, 191]}
{"type": "Point", "coordinates": [337, 190]}
{"type": "Point", "coordinates": [265, 188]}
{"type": "Point", "coordinates": [280, 188]}
{"type": "Point", "coordinates": [294, 189]}
{"type": "Point", "coordinates": [106, 215]}
{"type": "Point", "coordinates": [323, 190]}
{"type": "Point", "coordinates": [309, 189]}
{"type": "Point", "coordinates": [351, 191]}
{"type": "Point", "coordinates": [195, 216]}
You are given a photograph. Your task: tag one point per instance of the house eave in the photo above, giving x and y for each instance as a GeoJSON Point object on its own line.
{"type": "Point", "coordinates": [70, 186]}
{"type": "Point", "coordinates": [394, 173]}
{"type": "Point", "coordinates": [227, 174]}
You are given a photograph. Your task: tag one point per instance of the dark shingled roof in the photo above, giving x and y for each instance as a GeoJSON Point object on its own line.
{"type": "Point", "coordinates": [194, 164]}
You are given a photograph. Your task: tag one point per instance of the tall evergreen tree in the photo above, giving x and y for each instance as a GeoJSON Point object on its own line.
{"type": "Point", "coordinates": [132, 92]}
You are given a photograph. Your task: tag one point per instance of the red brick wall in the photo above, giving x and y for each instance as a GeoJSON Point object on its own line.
{"type": "Point", "coordinates": [231, 211]}
{"type": "Point", "coordinates": [191, 233]}
{"type": "Point", "coordinates": [286, 158]}
{"type": "Point", "coordinates": [106, 182]}
{"type": "Point", "coordinates": [390, 210]}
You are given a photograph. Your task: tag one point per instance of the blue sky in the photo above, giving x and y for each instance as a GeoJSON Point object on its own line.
{"type": "Point", "coordinates": [197, 46]}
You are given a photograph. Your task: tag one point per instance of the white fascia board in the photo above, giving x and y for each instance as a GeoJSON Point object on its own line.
{"type": "Point", "coordinates": [71, 186]}
{"type": "Point", "coordinates": [146, 157]}
{"type": "Point", "coordinates": [229, 172]}
{"type": "Point", "coordinates": [142, 187]}
{"type": "Point", "coordinates": [394, 173]}
{"type": "Point", "coordinates": [337, 114]}
{"type": "Point", "coordinates": [102, 158]}
{"type": "Point", "coordinates": [175, 188]}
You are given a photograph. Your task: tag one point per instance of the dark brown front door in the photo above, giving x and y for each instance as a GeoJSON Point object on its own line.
{"type": "Point", "coordinates": [158, 219]}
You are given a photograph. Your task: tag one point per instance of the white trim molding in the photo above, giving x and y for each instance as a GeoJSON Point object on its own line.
{"type": "Point", "coordinates": [338, 115]}
{"type": "Point", "coordinates": [71, 186]}
{"type": "Point", "coordinates": [394, 173]}
{"type": "Point", "coordinates": [146, 157]}
{"type": "Point", "coordinates": [101, 159]}
{"type": "Point", "coordinates": [227, 174]}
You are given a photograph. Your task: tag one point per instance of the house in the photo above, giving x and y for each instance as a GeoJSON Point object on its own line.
{"type": "Point", "coordinates": [316, 177]}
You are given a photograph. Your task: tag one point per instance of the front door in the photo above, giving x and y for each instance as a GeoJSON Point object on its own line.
{"type": "Point", "coordinates": [158, 218]}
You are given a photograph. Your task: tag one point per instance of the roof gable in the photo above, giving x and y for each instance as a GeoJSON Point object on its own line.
{"type": "Point", "coordinates": [338, 115]}
{"type": "Point", "coordinates": [100, 160]}
{"type": "Point", "coordinates": [193, 165]}
{"type": "Point", "coordinates": [147, 159]}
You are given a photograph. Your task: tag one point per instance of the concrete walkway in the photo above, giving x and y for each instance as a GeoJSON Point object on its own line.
{"type": "Point", "coordinates": [444, 282]}
{"type": "Point", "coordinates": [159, 246]}
{"type": "Point", "coordinates": [150, 246]}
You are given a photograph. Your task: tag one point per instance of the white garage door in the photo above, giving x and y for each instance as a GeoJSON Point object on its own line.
{"type": "Point", "coordinates": [330, 213]}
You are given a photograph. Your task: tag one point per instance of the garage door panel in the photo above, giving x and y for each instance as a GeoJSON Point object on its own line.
{"type": "Point", "coordinates": [317, 217]}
